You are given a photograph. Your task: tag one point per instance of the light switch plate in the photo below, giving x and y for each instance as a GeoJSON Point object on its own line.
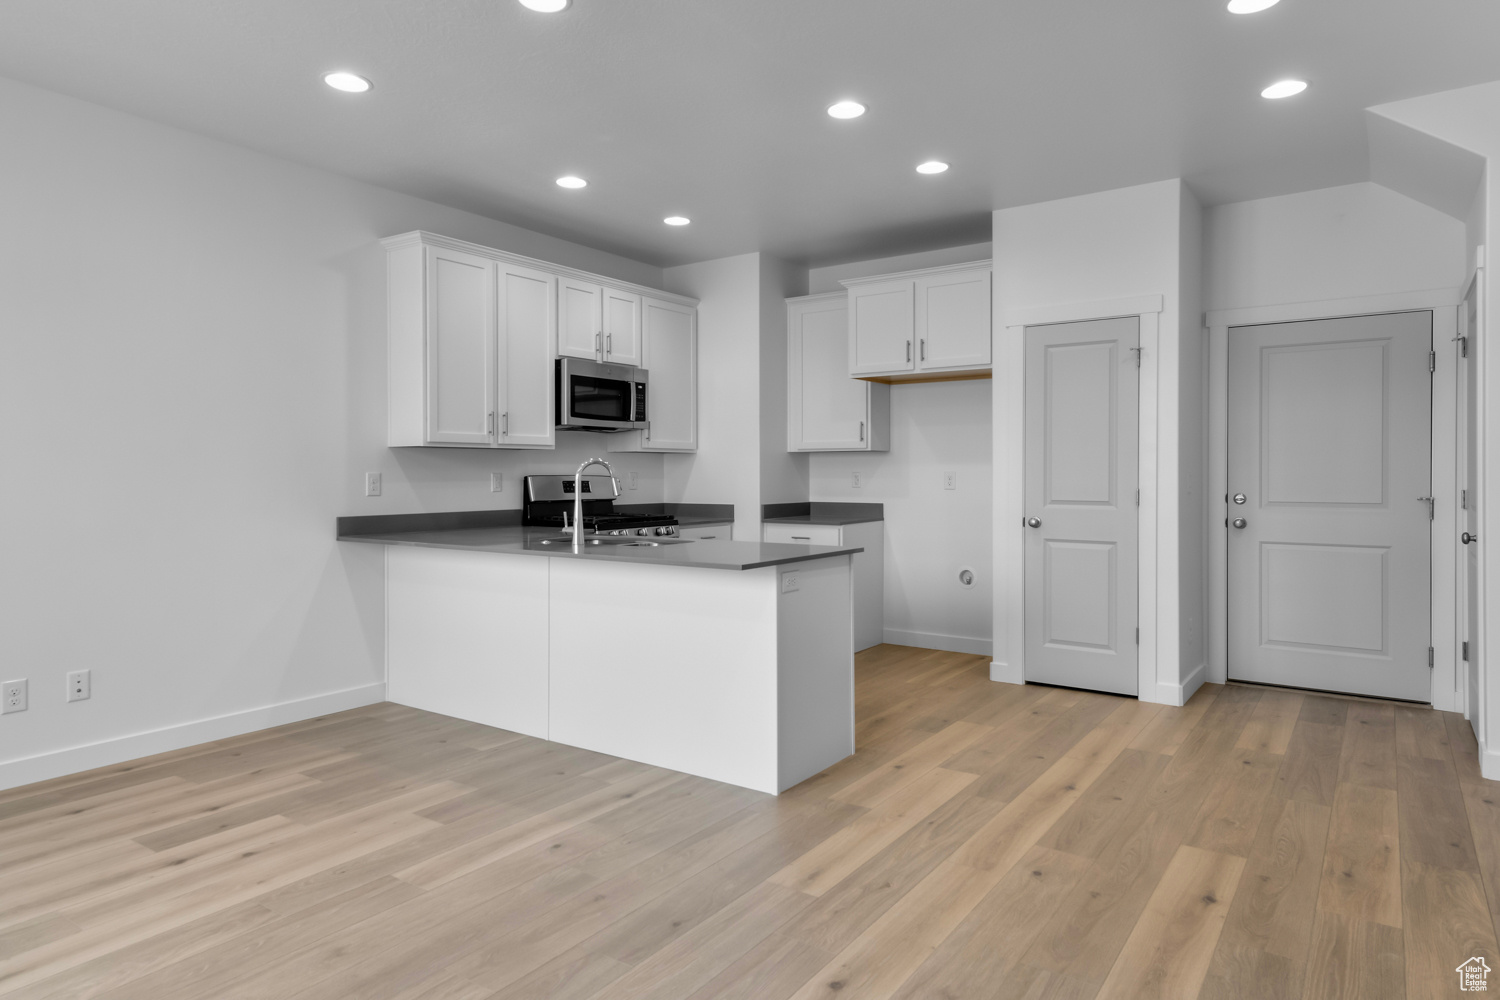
{"type": "Point", "coordinates": [372, 484]}
{"type": "Point", "coordinates": [497, 482]}
{"type": "Point", "coordinates": [789, 583]}
{"type": "Point", "coordinates": [635, 481]}
{"type": "Point", "coordinates": [950, 480]}
{"type": "Point", "coordinates": [857, 479]}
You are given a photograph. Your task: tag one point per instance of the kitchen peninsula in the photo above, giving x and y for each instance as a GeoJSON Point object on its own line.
{"type": "Point", "coordinates": [728, 660]}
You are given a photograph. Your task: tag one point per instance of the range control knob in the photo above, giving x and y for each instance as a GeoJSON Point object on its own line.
{"type": "Point", "coordinates": [643, 531]}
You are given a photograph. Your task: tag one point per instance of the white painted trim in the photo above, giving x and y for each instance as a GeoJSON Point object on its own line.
{"type": "Point", "coordinates": [1168, 693]}
{"type": "Point", "coordinates": [1366, 305]}
{"type": "Point", "coordinates": [937, 640]}
{"type": "Point", "coordinates": [56, 763]}
{"type": "Point", "coordinates": [1077, 312]}
{"type": "Point", "coordinates": [1489, 764]}
{"type": "Point", "coordinates": [1003, 673]}
{"type": "Point", "coordinates": [972, 265]}
{"type": "Point", "coordinates": [1157, 618]}
{"type": "Point", "coordinates": [419, 237]}
{"type": "Point", "coordinates": [1443, 304]}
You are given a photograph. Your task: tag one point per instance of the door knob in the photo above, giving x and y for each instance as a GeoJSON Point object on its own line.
{"type": "Point", "coordinates": [1240, 522]}
{"type": "Point", "coordinates": [1033, 522]}
{"type": "Point", "coordinates": [1466, 538]}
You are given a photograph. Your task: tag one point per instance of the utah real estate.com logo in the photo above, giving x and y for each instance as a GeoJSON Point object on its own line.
{"type": "Point", "coordinates": [1472, 975]}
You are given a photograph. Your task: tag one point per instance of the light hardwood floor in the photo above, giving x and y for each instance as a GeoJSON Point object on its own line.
{"type": "Point", "coordinates": [987, 841]}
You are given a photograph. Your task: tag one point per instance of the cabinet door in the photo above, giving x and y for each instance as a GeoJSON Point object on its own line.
{"type": "Point", "coordinates": [460, 348]}
{"type": "Point", "coordinates": [527, 383]}
{"type": "Point", "coordinates": [826, 409]}
{"type": "Point", "coordinates": [622, 327]}
{"type": "Point", "coordinates": [801, 534]}
{"type": "Point", "coordinates": [881, 322]}
{"type": "Point", "coordinates": [580, 319]}
{"type": "Point", "coordinates": [671, 356]}
{"type": "Point", "coordinates": [953, 320]}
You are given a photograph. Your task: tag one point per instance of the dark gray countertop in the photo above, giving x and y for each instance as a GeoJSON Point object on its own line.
{"type": "Point", "coordinates": [822, 512]}
{"type": "Point", "coordinates": [516, 540]}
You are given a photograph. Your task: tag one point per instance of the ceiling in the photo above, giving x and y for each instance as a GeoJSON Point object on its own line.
{"type": "Point", "coordinates": [715, 109]}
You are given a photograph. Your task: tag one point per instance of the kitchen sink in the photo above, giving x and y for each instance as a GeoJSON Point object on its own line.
{"type": "Point", "coordinates": [611, 540]}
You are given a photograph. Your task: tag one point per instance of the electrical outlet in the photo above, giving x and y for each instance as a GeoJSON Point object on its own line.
{"type": "Point", "coordinates": [79, 685]}
{"type": "Point", "coordinates": [497, 482]}
{"type": "Point", "coordinates": [789, 583]}
{"type": "Point", "coordinates": [857, 479]}
{"type": "Point", "coordinates": [950, 480]}
{"type": "Point", "coordinates": [635, 481]}
{"type": "Point", "coordinates": [372, 484]}
{"type": "Point", "coordinates": [13, 696]}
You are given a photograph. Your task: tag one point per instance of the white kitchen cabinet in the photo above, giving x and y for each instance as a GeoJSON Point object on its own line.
{"type": "Point", "coordinates": [471, 349]}
{"type": "Point", "coordinates": [669, 339]}
{"type": "Point", "coordinates": [622, 327]}
{"type": "Point", "coordinates": [867, 567]}
{"type": "Point", "coordinates": [920, 324]}
{"type": "Point", "coordinates": [473, 333]}
{"type": "Point", "coordinates": [707, 532]}
{"type": "Point", "coordinates": [580, 319]}
{"type": "Point", "coordinates": [827, 410]}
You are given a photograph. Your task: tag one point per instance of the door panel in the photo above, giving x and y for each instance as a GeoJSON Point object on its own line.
{"type": "Point", "coordinates": [835, 407]}
{"type": "Point", "coordinates": [953, 320]}
{"type": "Point", "coordinates": [671, 355]}
{"type": "Point", "coordinates": [1330, 445]}
{"type": "Point", "coordinates": [1082, 392]}
{"type": "Point", "coordinates": [622, 327]}
{"type": "Point", "coordinates": [881, 320]}
{"type": "Point", "coordinates": [580, 319]}
{"type": "Point", "coordinates": [527, 383]}
{"type": "Point", "coordinates": [460, 345]}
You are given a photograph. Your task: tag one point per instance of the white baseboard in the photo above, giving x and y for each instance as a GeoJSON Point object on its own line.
{"type": "Point", "coordinates": [1004, 673]}
{"type": "Point", "coordinates": [935, 640]}
{"type": "Point", "coordinates": [56, 763]}
{"type": "Point", "coordinates": [1178, 694]}
{"type": "Point", "coordinates": [1489, 763]}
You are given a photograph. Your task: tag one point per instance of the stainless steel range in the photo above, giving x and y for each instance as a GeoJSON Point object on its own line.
{"type": "Point", "coordinates": [549, 498]}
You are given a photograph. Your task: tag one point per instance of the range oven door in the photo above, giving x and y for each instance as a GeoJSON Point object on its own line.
{"type": "Point", "coordinates": [599, 397]}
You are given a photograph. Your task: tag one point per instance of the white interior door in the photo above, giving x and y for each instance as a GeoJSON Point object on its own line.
{"type": "Point", "coordinates": [1082, 427]}
{"type": "Point", "coordinates": [1330, 537]}
{"type": "Point", "coordinates": [1468, 318]}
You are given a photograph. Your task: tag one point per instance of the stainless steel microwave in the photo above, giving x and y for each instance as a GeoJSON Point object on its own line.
{"type": "Point", "coordinates": [600, 397]}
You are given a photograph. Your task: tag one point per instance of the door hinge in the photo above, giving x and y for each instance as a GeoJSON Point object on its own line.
{"type": "Point", "coordinates": [1137, 498]}
{"type": "Point", "coordinates": [1463, 346]}
{"type": "Point", "coordinates": [1138, 352]}
{"type": "Point", "coordinates": [1463, 499]}
{"type": "Point", "coordinates": [1431, 657]}
{"type": "Point", "coordinates": [1432, 361]}
{"type": "Point", "coordinates": [1466, 650]}
{"type": "Point", "coordinates": [1137, 635]}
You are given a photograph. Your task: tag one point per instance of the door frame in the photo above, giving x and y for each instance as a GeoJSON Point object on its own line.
{"type": "Point", "coordinates": [1010, 495]}
{"type": "Point", "coordinates": [1445, 612]}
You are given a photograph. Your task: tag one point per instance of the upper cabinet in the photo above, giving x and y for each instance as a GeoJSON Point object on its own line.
{"type": "Point", "coordinates": [474, 332]}
{"type": "Point", "coordinates": [669, 344]}
{"type": "Point", "coordinates": [827, 410]}
{"type": "Point", "coordinates": [920, 324]}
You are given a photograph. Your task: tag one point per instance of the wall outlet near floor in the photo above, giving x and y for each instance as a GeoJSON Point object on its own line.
{"type": "Point", "coordinates": [789, 583]}
{"type": "Point", "coordinates": [497, 482]}
{"type": "Point", "coordinates": [79, 685]}
{"type": "Point", "coordinates": [372, 484]}
{"type": "Point", "coordinates": [13, 696]}
{"type": "Point", "coordinates": [950, 480]}
{"type": "Point", "coordinates": [857, 479]}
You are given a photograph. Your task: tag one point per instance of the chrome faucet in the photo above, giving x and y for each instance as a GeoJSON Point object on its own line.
{"type": "Point", "coordinates": [578, 499]}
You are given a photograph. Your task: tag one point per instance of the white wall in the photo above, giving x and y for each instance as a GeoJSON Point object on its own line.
{"type": "Point", "coordinates": [1192, 418]}
{"type": "Point", "coordinates": [930, 532]}
{"type": "Point", "coordinates": [783, 474]}
{"type": "Point", "coordinates": [826, 279]}
{"type": "Point", "coordinates": [1336, 243]}
{"type": "Point", "coordinates": [192, 384]}
{"type": "Point", "coordinates": [1063, 259]}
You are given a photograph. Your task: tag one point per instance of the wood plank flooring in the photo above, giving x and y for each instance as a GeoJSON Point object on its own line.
{"type": "Point", "coordinates": [987, 841]}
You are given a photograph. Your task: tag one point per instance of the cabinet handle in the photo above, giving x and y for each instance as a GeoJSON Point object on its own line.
{"type": "Point", "coordinates": [802, 538]}
{"type": "Point", "coordinates": [648, 430]}
{"type": "Point", "coordinates": [861, 430]}
{"type": "Point", "coordinates": [489, 422]}
{"type": "Point", "coordinates": [908, 350]}
{"type": "Point", "coordinates": [504, 424]}
{"type": "Point", "coordinates": [609, 345]}
{"type": "Point", "coordinates": [924, 348]}
{"type": "Point", "coordinates": [599, 345]}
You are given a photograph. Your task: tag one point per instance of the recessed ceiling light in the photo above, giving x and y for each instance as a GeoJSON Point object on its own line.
{"type": "Point", "coordinates": [677, 220]}
{"type": "Point", "coordinates": [932, 167]}
{"type": "Point", "coordinates": [349, 83]}
{"type": "Point", "coordinates": [571, 182]}
{"type": "Point", "coordinates": [553, 6]}
{"type": "Point", "coordinates": [1250, 6]}
{"type": "Point", "coordinates": [846, 109]}
{"type": "Point", "coordinates": [1284, 88]}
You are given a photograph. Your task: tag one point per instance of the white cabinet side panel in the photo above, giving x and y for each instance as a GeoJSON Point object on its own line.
{"type": "Point", "coordinates": [816, 670]}
{"type": "Point", "coordinates": [668, 666]}
{"type": "Point", "coordinates": [406, 347]}
{"type": "Point", "coordinates": [869, 582]}
{"type": "Point", "coordinates": [467, 636]}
